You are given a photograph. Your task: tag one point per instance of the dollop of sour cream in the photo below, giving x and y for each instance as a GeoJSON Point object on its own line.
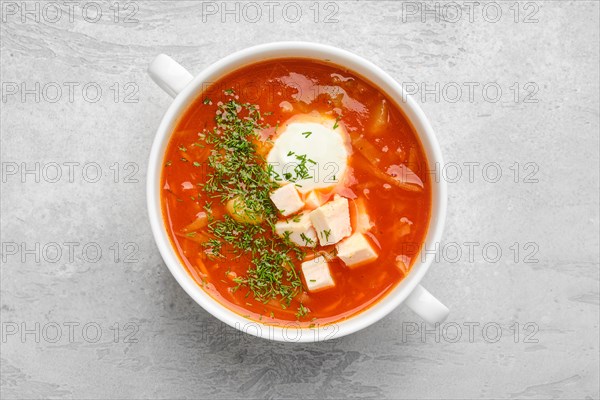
{"type": "Point", "coordinates": [322, 140]}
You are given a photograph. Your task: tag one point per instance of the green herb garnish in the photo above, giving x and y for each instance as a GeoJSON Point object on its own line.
{"type": "Point", "coordinates": [301, 171]}
{"type": "Point", "coordinates": [337, 119]}
{"type": "Point", "coordinates": [237, 172]}
{"type": "Point", "coordinates": [308, 241]}
{"type": "Point", "coordinates": [302, 311]}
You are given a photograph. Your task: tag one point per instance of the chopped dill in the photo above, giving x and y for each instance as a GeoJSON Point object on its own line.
{"type": "Point", "coordinates": [302, 311]}
{"type": "Point", "coordinates": [300, 172]}
{"type": "Point", "coordinates": [236, 171]}
{"type": "Point", "coordinates": [337, 119]}
{"type": "Point", "coordinates": [308, 241]}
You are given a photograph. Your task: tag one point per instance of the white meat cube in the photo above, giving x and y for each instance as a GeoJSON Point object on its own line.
{"type": "Point", "coordinates": [298, 229]}
{"type": "Point", "coordinates": [287, 199]}
{"type": "Point", "coordinates": [317, 274]}
{"type": "Point", "coordinates": [313, 200]}
{"type": "Point", "coordinates": [356, 251]}
{"type": "Point", "coordinates": [332, 221]}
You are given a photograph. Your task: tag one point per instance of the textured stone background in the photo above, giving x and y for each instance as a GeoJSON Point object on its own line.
{"type": "Point", "coordinates": [549, 290]}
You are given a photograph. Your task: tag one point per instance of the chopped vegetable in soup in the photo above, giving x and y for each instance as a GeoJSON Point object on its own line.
{"type": "Point", "coordinates": [295, 190]}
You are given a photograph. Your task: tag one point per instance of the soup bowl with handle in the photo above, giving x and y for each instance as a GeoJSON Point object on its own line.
{"type": "Point", "coordinates": [185, 88]}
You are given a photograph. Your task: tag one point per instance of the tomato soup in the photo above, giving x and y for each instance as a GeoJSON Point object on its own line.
{"type": "Point", "coordinates": [295, 190]}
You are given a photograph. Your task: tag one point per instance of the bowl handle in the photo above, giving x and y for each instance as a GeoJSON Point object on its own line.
{"type": "Point", "coordinates": [169, 74]}
{"type": "Point", "coordinates": [426, 305]}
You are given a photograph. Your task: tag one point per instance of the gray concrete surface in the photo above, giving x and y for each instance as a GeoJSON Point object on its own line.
{"type": "Point", "coordinates": [115, 325]}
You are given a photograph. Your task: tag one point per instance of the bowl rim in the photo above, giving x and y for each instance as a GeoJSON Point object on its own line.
{"type": "Point", "coordinates": [292, 332]}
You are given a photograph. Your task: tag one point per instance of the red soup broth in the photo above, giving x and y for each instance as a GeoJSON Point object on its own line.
{"type": "Point", "coordinates": [382, 139]}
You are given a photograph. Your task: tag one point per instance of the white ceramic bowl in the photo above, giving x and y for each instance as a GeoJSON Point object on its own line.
{"type": "Point", "coordinates": [180, 84]}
